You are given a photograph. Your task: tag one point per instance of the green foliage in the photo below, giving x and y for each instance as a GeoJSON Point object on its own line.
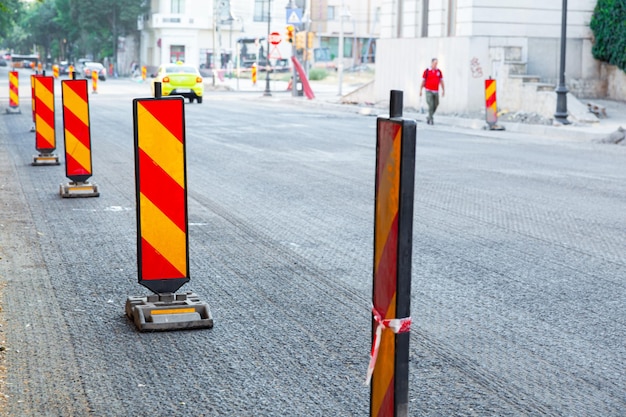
{"type": "Point", "coordinates": [69, 29]}
{"type": "Point", "coordinates": [608, 24]}
{"type": "Point", "coordinates": [317, 74]}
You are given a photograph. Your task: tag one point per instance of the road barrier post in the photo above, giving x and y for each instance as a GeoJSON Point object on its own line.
{"type": "Point", "coordinates": [162, 240]}
{"type": "Point", "coordinates": [94, 82]}
{"type": "Point", "coordinates": [14, 94]}
{"type": "Point", "coordinates": [491, 105]}
{"type": "Point", "coordinates": [144, 73]}
{"type": "Point", "coordinates": [388, 370]}
{"type": "Point", "coordinates": [55, 71]}
{"type": "Point", "coordinates": [32, 99]}
{"type": "Point", "coordinates": [253, 72]}
{"type": "Point", "coordinates": [77, 138]}
{"type": "Point", "coordinates": [70, 72]}
{"type": "Point", "coordinates": [45, 135]}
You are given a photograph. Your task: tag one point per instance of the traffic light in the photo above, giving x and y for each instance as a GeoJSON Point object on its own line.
{"type": "Point", "coordinates": [300, 37]}
{"type": "Point", "coordinates": [310, 36]}
{"type": "Point", "coordinates": [290, 30]}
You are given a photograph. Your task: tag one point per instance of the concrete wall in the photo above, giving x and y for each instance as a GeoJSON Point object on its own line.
{"type": "Point", "coordinates": [464, 62]}
{"type": "Point", "coordinates": [616, 82]}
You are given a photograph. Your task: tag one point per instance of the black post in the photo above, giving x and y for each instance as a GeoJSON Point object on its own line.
{"type": "Point", "coordinates": [395, 103]}
{"type": "Point", "coordinates": [267, 51]}
{"type": "Point", "coordinates": [157, 90]}
{"type": "Point", "coordinates": [561, 90]}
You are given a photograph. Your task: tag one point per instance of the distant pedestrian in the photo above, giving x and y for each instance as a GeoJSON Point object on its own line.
{"type": "Point", "coordinates": [432, 79]}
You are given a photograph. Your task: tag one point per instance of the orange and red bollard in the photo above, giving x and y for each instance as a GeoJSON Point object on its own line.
{"type": "Point", "coordinates": [491, 105]}
{"type": "Point", "coordinates": [45, 136]}
{"type": "Point", "coordinates": [94, 82]}
{"type": "Point", "coordinates": [14, 95]}
{"type": "Point", "coordinates": [253, 69]}
{"type": "Point", "coordinates": [388, 370]}
{"type": "Point", "coordinates": [77, 138]}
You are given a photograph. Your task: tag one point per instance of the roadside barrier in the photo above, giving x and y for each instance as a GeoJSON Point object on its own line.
{"type": "Point", "coordinates": [162, 241]}
{"type": "Point", "coordinates": [32, 99]}
{"type": "Point", "coordinates": [45, 135]}
{"type": "Point", "coordinates": [253, 72]}
{"type": "Point", "coordinates": [77, 138]}
{"type": "Point", "coordinates": [388, 370]}
{"type": "Point", "coordinates": [55, 71]}
{"type": "Point", "coordinates": [94, 82]}
{"type": "Point", "coordinates": [14, 94]}
{"type": "Point", "coordinates": [491, 105]}
{"type": "Point", "coordinates": [144, 73]}
{"type": "Point", "coordinates": [71, 72]}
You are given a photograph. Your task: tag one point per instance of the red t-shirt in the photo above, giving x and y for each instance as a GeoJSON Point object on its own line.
{"type": "Point", "coordinates": [432, 78]}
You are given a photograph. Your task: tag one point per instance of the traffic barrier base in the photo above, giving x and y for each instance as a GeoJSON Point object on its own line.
{"type": "Point", "coordinates": [169, 311]}
{"type": "Point", "coordinates": [78, 189]}
{"type": "Point", "coordinates": [45, 159]}
{"type": "Point", "coordinates": [15, 110]}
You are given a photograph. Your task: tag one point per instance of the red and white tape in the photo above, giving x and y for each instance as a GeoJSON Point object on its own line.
{"type": "Point", "coordinates": [395, 325]}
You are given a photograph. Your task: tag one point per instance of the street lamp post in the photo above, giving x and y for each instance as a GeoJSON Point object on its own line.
{"type": "Point", "coordinates": [267, 51]}
{"type": "Point", "coordinates": [561, 90]}
{"type": "Point", "coordinates": [340, 50]}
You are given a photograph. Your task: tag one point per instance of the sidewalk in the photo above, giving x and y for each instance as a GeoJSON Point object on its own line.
{"type": "Point", "coordinates": [327, 95]}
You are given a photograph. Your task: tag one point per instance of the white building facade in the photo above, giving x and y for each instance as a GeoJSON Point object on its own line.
{"type": "Point", "coordinates": [511, 41]}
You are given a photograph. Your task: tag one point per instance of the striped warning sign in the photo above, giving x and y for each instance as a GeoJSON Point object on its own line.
{"type": "Point", "coordinates": [490, 101]}
{"type": "Point", "coordinates": [395, 169]}
{"type": "Point", "coordinates": [32, 96]}
{"type": "Point", "coordinates": [45, 138]}
{"type": "Point", "coordinates": [162, 242]}
{"type": "Point", "coordinates": [14, 95]}
{"type": "Point", "coordinates": [76, 132]}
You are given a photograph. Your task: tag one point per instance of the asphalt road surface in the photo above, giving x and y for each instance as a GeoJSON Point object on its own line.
{"type": "Point", "coordinates": [518, 288]}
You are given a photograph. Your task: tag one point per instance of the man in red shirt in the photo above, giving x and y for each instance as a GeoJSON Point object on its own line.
{"type": "Point", "coordinates": [431, 80]}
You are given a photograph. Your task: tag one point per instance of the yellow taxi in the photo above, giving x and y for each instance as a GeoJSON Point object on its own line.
{"type": "Point", "coordinates": [180, 79]}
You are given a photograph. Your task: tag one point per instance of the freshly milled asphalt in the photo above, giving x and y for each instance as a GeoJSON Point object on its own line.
{"type": "Point", "coordinates": [518, 276]}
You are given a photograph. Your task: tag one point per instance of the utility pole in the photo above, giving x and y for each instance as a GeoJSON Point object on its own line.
{"type": "Point", "coordinates": [267, 51]}
{"type": "Point", "coordinates": [561, 90]}
{"type": "Point", "coordinates": [340, 49]}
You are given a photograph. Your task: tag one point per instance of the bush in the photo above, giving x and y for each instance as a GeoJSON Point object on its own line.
{"type": "Point", "coordinates": [317, 74]}
{"type": "Point", "coordinates": [608, 24]}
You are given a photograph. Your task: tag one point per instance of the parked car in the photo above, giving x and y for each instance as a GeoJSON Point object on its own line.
{"type": "Point", "coordinates": [63, 67]}
{"type": "Point", "coordinates": [181, 80]}
{"type": "Point", "coordinates": [88, 67]}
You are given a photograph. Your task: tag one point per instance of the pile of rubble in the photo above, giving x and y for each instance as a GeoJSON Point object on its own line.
{"type": "Point", "coordinates": [525, 117]}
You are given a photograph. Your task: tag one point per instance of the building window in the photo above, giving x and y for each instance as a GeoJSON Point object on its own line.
{"type": "Point", "coordinates": [177, 6]}
{"type": "Point", "coordinates": [330, 13]}
{"type": "Point", "coordinates": [261, 8]}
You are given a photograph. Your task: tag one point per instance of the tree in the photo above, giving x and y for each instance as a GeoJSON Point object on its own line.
{"type": "Point", "coordinates": [608, 24]}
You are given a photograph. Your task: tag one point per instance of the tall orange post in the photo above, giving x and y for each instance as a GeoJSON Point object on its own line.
{"type": "Point", "coordinates": [388, 370]}
{"type": "Point", "coordinates": [491, 105]}
{"type": "Point", "coordinates": [144, 73]}
{"type": "Point", "coordinates": [94, 82]}
{"type": "Point", "coordinates": [32, 99]}
{"type": "Point", "coordinates": [14, 95]}
{"type": "Point", "coordinates": [70, 72]}
{"type": "Point", "coordinates": [77, 138]}
{"type": "Point", "coordinates": [55, 71]}
{"type": "Point", "coordinates": [45, 135]}
{"type": "Point", "coordinates": [253, 69]}
{"type": "Point", "coordinates": [162, 240]}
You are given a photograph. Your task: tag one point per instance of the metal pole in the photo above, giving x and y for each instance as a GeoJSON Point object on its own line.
{"type": "Point", "coordinates": [561, 90]}
{"type": "Point", "coordinates": [340, 49]}
{"type": "Point", "coordinates": [214, 34]}
{"type": "Point", "coordinates": [267, 51]}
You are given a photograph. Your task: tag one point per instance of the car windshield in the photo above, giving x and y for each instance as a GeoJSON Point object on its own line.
{"type": "Point", "coordinates": [179, 69]}
{"type": "Point", "coordinates": [94, 65]}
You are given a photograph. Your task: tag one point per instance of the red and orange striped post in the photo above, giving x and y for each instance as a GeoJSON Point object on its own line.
{"type": "Point", "coordinates": [71, 72]}
{"type": "Point", "coordinates": [45, 134]}
{"type": "Point", "coordinates": [32, 99]}
{"type": "Point", "coordinates": [55, 71]}
{"type": "Point", "coordinates": [14, 93]}
{"type": "Point", "coordinates": [94, 82]}
{"type": "Point", "coordinates": [77, 138]}
{"type": "Point", "coordinates": [144, 73]}
{"type": "Point", "coordinates": [253, 71]}
{"type": "Point", "coordinates": [388, 370]}
{"type": "Point", "coordinates": [162, 241]}
{"type": "Point", "coordinates": [491, 105]}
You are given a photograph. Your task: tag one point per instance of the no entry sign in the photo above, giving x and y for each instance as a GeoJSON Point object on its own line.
{"type": "Point", "coordinates": [275, 38]}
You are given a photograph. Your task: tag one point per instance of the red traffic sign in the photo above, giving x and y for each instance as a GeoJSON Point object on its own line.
{"type": "Point", "coordinates": [275, 38]}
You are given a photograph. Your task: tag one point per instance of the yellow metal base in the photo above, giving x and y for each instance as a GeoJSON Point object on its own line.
{"type": "Point", "coordinates": [161, 312]}
{"type": "Point", "coordinates": [50, 159]}
{"type": "Point", "coordinates": [78, 189]}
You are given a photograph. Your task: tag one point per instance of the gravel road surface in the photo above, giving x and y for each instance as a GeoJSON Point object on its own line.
{"type": "Point", "coordinates": [518, 278]}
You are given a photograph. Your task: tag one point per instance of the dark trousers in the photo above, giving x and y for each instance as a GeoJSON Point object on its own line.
{"type": "Point", "coordinates": [432, 99]}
